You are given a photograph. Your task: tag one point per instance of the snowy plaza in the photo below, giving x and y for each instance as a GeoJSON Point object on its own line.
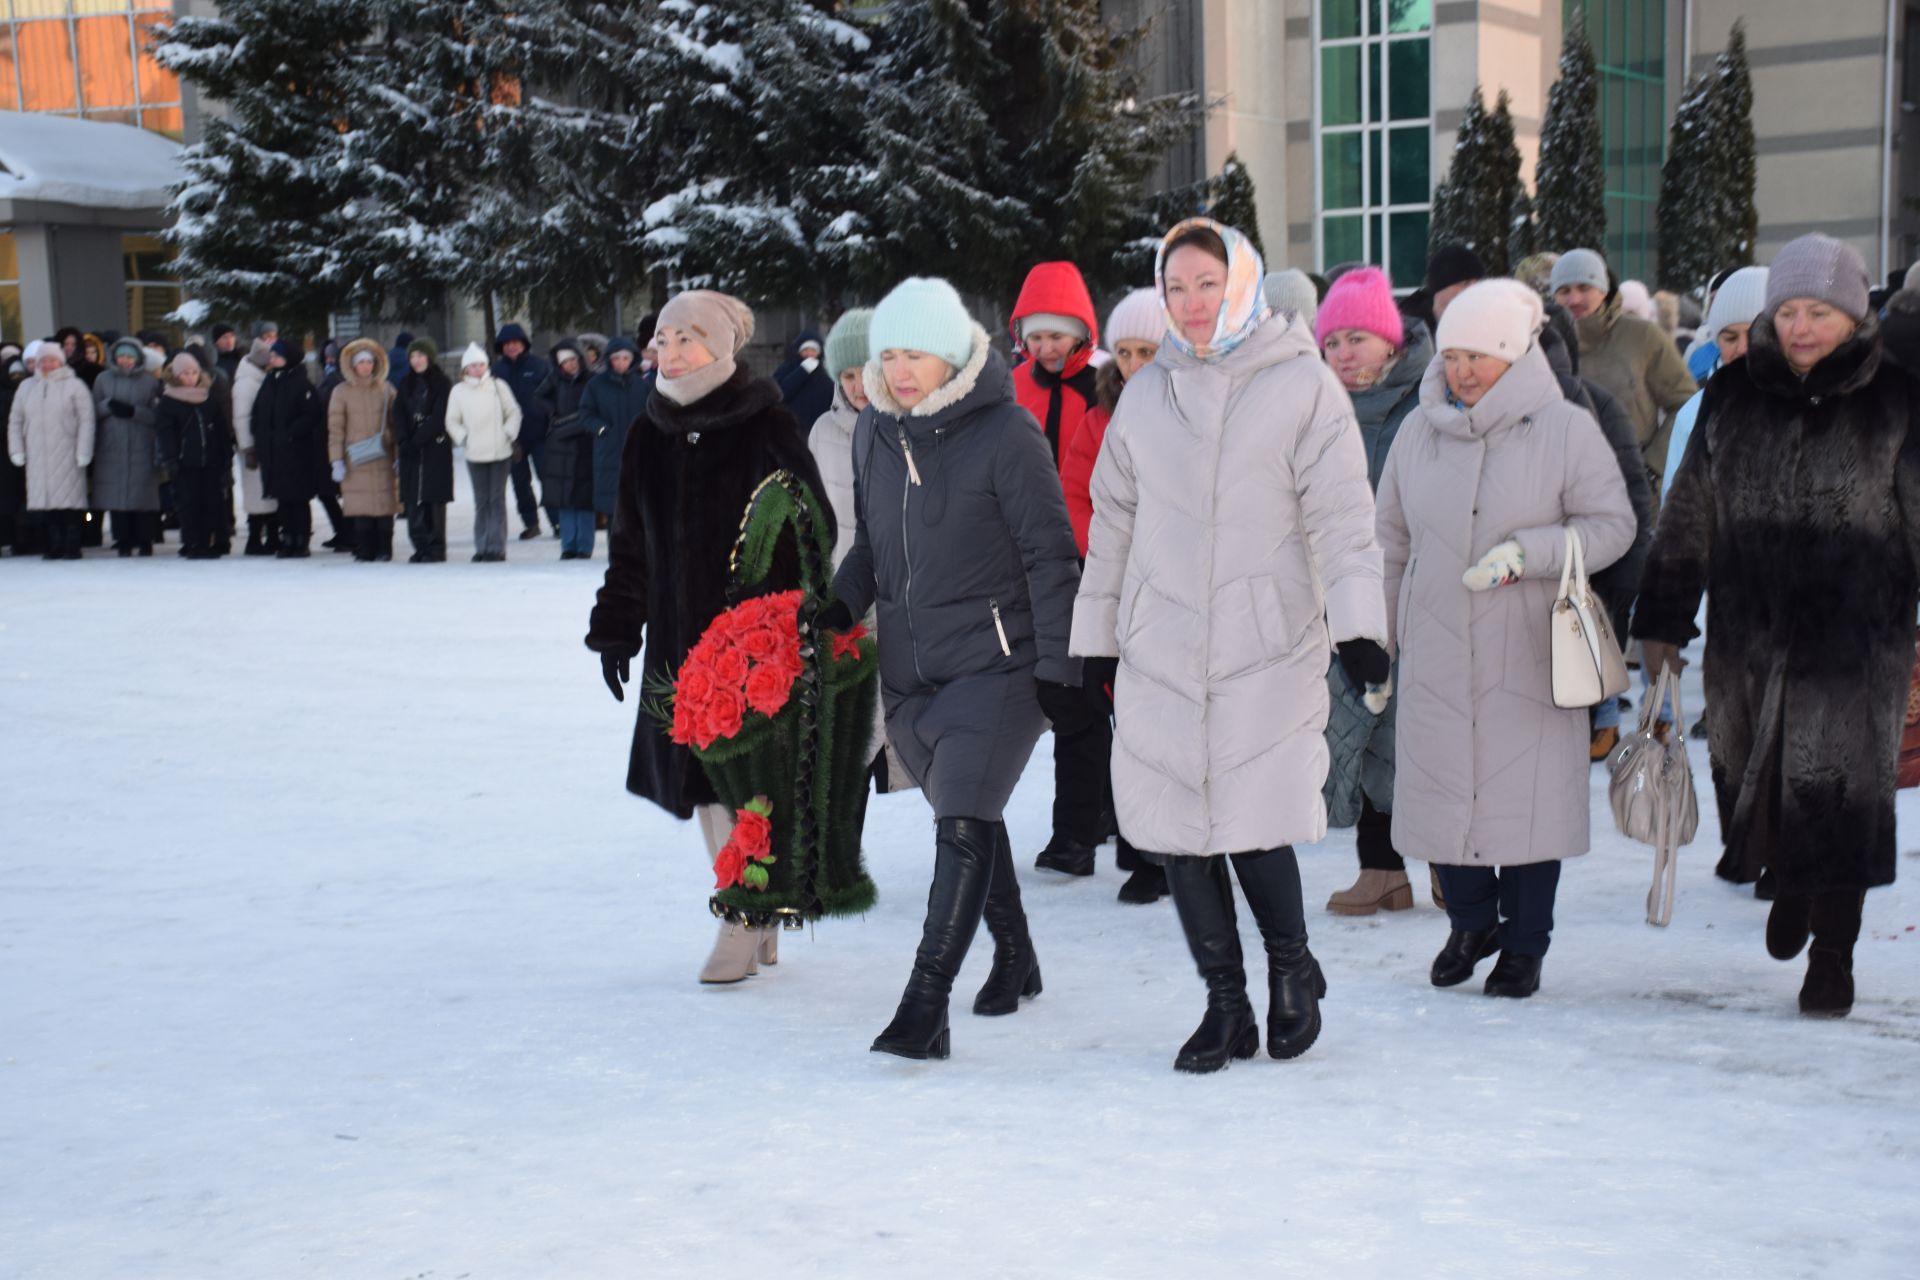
{"type": "Point", "coordinates": [333, 947]}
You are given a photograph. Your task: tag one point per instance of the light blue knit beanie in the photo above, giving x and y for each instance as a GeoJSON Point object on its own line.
{"type": "Point", "coordinates": [847, 342]}
{"type": "Point", "coordinates": [922, 314]}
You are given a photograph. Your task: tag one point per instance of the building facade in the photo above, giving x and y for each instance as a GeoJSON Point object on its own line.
{"type": "Point", "coordinates": [1345, 111]}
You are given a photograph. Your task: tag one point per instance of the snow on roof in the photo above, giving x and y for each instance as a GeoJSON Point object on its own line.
{"type": "Point", "coordinates": [85, 162]}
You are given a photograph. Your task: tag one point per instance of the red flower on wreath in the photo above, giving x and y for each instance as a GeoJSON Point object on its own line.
{"type": "Point", "coordinates": [848, 644]}
{"type": "Point", "coordinates": [744, 664]}
{"type": "Point", "coordinates": [749, 850]}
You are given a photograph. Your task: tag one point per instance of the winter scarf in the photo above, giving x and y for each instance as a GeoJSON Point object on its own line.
{"type": "Point", "coordinates": [723, 325]}
{"type": "Point", "coordinates": [1245, 305]}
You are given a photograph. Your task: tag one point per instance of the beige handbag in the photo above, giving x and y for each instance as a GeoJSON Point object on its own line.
{"type": "Point", "coordinates": [1652, 792]}
{"type": "Point", "coordinates": [1587, 664]}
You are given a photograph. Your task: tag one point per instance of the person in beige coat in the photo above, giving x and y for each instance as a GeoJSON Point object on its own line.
{"type": "Point", "coordinates": [1231, 542]}
{"type": "Point", "coordinates": [1490, 783]}
{"type": "Point", "coordinates": [263, 519]}
{"type": "Point", "coordinates": [50, 433]}
{"type": "Point", "coordinates": [360, 409]}
{"type": "Point", "coordinates": [484, 418]}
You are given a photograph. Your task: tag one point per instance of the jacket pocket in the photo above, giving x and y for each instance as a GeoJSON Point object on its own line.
{"type": "Point", "coordinates": [1270, 614]}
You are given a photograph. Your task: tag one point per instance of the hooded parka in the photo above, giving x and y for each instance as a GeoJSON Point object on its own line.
{"type": "Point", "coordinates": [1797, 510]}
{"type": "Point", "coordinates": [124, 476]}
{"type": "Point", "coordinates": [1061, 401]}
{"type": "Point", "coordinates": [612, 404]}
{"type": "Point", "coordinates": [807, 393]}
{"type": "Point", "coordinates": [566, 480]}
{"type": "Point", "coordinates": [972, 570]}
{"type": "Point", "coordinates": [362, 409]}
{"type": "Point", "coordinates": [51, 429]}
{"type": "Point", "coordinates": [1488, 771]}
{"type": "Point", "coordinates": [1639, 365]}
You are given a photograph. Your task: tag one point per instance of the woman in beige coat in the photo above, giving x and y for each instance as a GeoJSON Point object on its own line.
{"type": "Point", "coordinates": [1231, 539]}
{"type": "Point", "coordinates": [50, 433]}
{"type": "Point", "coordinates": [361, 408]}
{"type": "Point", "coordinates": [1486, 476]}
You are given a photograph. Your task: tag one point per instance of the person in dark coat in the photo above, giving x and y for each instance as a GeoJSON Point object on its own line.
{"type": "Point", "coordinates": [196, 447]}
{"type": "Point", "coordinates": [426, 452]}
{"type": "Point", "coordinates": [804, 384]}
{"type": "Point", "coordinates": [15, 532]}
{"type": "Point", "coordinates": [228, 349]}
{"type": "Point", "coordinates": [125, 481]}
{"type": "Point", "coordinates": [220, 388]}
{"type": "Point", "coordinates": [615, 399]}
{"type": "Point", "coordinates": [1797, 508]}
{"type": "Point", "coordinates": [566, 476]}
{"type": "Point", "coordinates": [712, 433]}
{"type": "Point", "coordinates": [397, 359]}
{"type": "Point", "coordinates": [292, 447]}
{"type": "Point", "coordinates": [523, 372]}
{"type": "Point", "coordinates": [965, 546]}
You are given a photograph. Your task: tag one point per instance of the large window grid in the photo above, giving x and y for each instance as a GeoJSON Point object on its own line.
{"type": "Point", "coordinates": [1373, 121]}
{"type": "Point", "coordinates": [1629, 45]}
{"type": "Point", "coordinates": [153, 291]}
{"type": "Point", "coordinates": [88, 58]}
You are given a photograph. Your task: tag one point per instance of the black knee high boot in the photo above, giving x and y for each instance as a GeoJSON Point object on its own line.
{"type": "Point", "coordinates": [1016, 969]}
{"type": "Point", "coordinates": [962, 869]}
{"type": "Point", "coordinates": [1828, 990]}
{"type": "Point", "coordinates": [1203, 898]}
{"type": "Point", "coordinates": [1271, 881]}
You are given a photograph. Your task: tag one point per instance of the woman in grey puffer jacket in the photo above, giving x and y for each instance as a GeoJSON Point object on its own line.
{"type": "Point", "coordinates": [965, 548]}
{"type": "Point", "coordinates": [125, 479]}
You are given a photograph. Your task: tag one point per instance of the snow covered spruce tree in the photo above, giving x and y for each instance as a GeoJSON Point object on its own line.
{"type": "Point", "coordinates": [1522, 232]}
{"type": "Point", "coordinates": [1473, 205]}
{"type": "Point", "coordinates": [1739, 216]}
{"type": "Point", "coordinates": [1692, 183]}
{"type": "Point", "coordinates": [1570, 204]}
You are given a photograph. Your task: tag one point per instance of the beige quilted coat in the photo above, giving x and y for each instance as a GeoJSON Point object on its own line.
{"type": "Point", "coordinates": [360, 409]}
{"type": "Point", "coordinates": [1488, 772]}
{"type": "Point", "coordinates": [1232, 530]}
{"type": "Point", "coordinates": [51, 427]}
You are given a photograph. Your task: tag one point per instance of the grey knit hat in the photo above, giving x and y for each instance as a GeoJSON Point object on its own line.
{"type": "Point", "coordinates": [1818, 266]}
{"type": "Point", "coordinates": [1580, 266]}
{"type": "Point", "coordinates": [1291, 291]}
{"type": "Point", "coordinates": [1913, 277]}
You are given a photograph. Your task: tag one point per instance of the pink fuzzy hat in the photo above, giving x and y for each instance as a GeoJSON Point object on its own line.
{"type": "Point", "coordinates": [1361, 299]}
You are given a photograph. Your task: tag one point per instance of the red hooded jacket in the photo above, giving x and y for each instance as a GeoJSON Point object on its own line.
{"type": "Point", "coordinates": [1058, 401]}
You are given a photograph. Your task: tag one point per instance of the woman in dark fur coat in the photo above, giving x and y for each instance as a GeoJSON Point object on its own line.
{"type": "Point", "coordinates": [711, 434]}
{"type": "Point", "coordinates": [1797, 507]}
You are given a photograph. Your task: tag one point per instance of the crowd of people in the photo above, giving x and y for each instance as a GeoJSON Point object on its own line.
{"type": "Point", "coordinates": [1266, 553]}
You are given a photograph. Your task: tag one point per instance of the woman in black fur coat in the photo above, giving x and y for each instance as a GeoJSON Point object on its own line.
{"type": "Point", "coordinates": [1797, 508]}
{"type": "Point", "coordinates": [711, 434]}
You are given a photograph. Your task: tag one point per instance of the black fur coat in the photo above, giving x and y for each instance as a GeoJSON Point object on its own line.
{"type": "Point", "coordinates": [686, 474]}
{"type": "Point", "coordinates": [1797, 510]}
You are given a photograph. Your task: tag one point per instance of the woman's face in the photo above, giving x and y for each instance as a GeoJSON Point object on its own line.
{"type": "Point", "coordinates": [1196, 286]}
{"type": "Point", "coordinates": [853, 385]}
{"type": "Point", "coordinates": [1470, 375]}
{"type": "Point", "coordinates": [276, 361]}
{"type": "Point", "coordinates": [1810, 330]}
{"type": "Point", "coordinates": [1732, 341]}
{"type": "Point", "coordinates": [680, 353]}
{"type": "Point", "coordinates": [363, 366]}
{"type": "Point", "coordinates": [417, 361]}
{"type": "Point", "coordinates": [125, 360]}
{"type": "Point", "coordinates": [1132, 355]}
{"type": "Point", "coordinates": [1357, 357]}
{"type": "Point", "coordinates": [187, 377]}
{"type": "Point", "coordinates": [913, 375]}
{"type": "Point", "coordinates": [569, 364]}
{"type": "Point", "coordinates": [476, 371]}
{"type": "Point", "coordinates": [620, 361]}
{"type": "Point", "coordinates": [50, 360]}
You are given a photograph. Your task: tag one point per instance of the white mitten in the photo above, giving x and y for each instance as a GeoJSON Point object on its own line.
{"type": "Point", "coordinates": [84, 459]}
{"type": "Point", "coordinates": [1376, 697]}
{"type": "Point", "coordinates": [1500, 566]}
{"type": "Point", "coordinates": [19, 459]}
{"type": "Point", "coordinates": [339, 472]}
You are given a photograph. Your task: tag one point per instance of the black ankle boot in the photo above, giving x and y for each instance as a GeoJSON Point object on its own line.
{"type": "Point", "coordinates": [1016, 968]}
{"type": "Point", "coordinates": [1465, 948]}
{"type": "Point", "coordinates": [1789, 921]}
{"type": "Point", "coordinates": [1514, 976]}
{"type": "Point", "coordinates": [962, 870]}
{"type": "Point", "coordinates": [1271, 881]}
{"type": "Point", "coordinates": [1828, 990]}
{"type": "Point", "coordinates": [1203, 899]}
{"type": "Point", "coordinates": [1148, 884]}
{"type": "Point", "coordinates": [1068, 857]}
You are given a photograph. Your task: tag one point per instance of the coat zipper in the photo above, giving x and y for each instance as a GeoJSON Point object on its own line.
{"type": "Point", "coordinates": [906, 549]}
{"type": "Point", "coordinates": [998, 629]}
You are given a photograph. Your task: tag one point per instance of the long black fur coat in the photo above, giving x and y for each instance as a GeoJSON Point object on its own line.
{"type": "Point", "coordinates": [1797, 510]}
{"type": "Point", "coordinates": [686, 475]}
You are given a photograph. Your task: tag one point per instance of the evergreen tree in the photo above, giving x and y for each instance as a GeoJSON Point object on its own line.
{"type": "Point", "coordinates": [1232, 201]}
{"type": "Point", "coordinates": [1473, 204]}
{"type": "Point", "coordinates": [1499, 197]}
{"type": "Point", "coordinates": [1226, 197]}
{"type": "Point", "coordinates": [1570, 180]}
{"type": "Point", "coordinates": [1691, 191]}
{"type": "Point", "coordinates": [1739, 217]}
{"type": "Point", "coordinates": [1521, 231]}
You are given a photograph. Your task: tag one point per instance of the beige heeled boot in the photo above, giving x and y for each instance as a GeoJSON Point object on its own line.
{"type": "Point", "coordinates": [733, 957]}
{"type": "Point", "coordinates": [1373, 891]}
{"type": "Point", "coordinates": [769, 950]}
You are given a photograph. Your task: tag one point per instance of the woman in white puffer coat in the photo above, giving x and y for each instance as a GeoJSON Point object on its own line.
{"type": "Point", "coordinates": [1231, 540]}
{"type": "Point", "coordinates": [484, 417]}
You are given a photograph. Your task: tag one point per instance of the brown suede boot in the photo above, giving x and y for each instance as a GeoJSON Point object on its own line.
{"type": "Point", "coordinates": [1374, 891]}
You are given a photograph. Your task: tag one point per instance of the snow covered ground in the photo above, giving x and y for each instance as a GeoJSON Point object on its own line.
{"type": "Point", "coordinates": [331, 946]}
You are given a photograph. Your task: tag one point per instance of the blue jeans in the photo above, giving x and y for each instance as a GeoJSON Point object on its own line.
{"type": "Point", "coordinates": [576, 529]}
{"type": "Point", "coordinates": [1606, 714]}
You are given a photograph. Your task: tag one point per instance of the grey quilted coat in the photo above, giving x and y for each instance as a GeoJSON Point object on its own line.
{"type": "Point", "coordinates": [124, 477]}
{"type": "Point", "coordinates": [1232, 529]}
{"type": "Point", "coordinates": [1488, 772]}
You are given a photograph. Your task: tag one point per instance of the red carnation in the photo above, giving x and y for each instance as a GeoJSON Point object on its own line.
{"type": "Point", "coordinates": [728, 864]}
{"type": "Point", "coordinates": [722, 718]}
{"type": "Point", "coordinates": [763, 643]}
{"type": "Point", "coordinates": [752, 833]}
{"type": "Point", "coordinates": [696, 684]}
{"type": "Point", "coordinates": [849, 643]}
{"type": "Point", "coordinates": [730, 670]}
{"type": "Point", "coordinates": [768, 689]}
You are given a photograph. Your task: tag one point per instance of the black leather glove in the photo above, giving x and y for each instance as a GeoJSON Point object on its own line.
{"type": "Point", "coordinates": [1365, 663]}
{"type": "Point", "coordinates": [119, 408]}
{"type": "Point", "coordinates": [1097, 677]}
{"type": "Point", "coordinates": [835, 617]}
{"type": "Point", "coordinates": [1067, 706]}
{"type": "Point", "coordinates": [614, 668]}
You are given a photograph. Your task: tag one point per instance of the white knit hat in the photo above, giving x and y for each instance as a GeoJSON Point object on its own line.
{"type": "Point", "coordinates": [1498, 318]}
{"type": "Point", "coordinates": [1741, 299]}
{"type": "Point", "coordinates": [1048, 322]}
{"type": "Point", "coordinates": [474, 354]}
{"type": "Point", "coordinates": [1137, 318]}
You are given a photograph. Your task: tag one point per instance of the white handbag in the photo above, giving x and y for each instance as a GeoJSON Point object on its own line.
{"type": "Point", "coordinates": [1588, 667]}
{"type": "Point", "coordinates": [1652, 792]}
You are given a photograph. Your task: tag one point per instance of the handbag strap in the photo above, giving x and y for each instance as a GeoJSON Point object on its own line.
{"type": "Point", "coordinates": [1573, 563]}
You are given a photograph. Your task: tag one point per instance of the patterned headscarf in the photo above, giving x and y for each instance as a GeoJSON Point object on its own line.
{"type": "Point", "coordinates": [1244, 306]}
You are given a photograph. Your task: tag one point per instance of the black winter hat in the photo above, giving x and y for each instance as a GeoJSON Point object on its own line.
{"type": "Point", "coordinates": [1453, 264]}
{"type": "Point", "coordinates": [220, 331]}
{"type": "Point", "coordinates": [647, 324]}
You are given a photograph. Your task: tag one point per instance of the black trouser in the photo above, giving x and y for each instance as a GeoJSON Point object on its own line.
{"type": "Point", "coordinates": [135, 529]}
{"type": "Point", "coordinates": [372, 537]}
{"type": "Point", "coordinates": [1374, 835]}
{"type": "Point", "coordinates": [330, 503]}
{"type": "Point", "coordinates": [522, 473]}
{"type": "Point", "coordinates": [1518, 899]}
{"type": "Point", "coordinates": [427, 527]}
{"type": "Point", "coordinates": [200, 504]}
{"type": "Point", "coordinates": [1082, 772]}
{"type": "Point", "coordinates": [296, 523]}
{"type": "Point", "coordinates": [65, 530]}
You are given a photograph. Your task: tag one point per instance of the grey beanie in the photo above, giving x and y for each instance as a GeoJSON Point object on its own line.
{"type": "Point", "coordinates": [263, 327]}
{"type": "Point", "coordinates": [1580, 266]}
{"type": "Point", "coordinates": [1291, 291]}
{"type": "Point", "coordinates": [1913, 276]}
{"type": "Point", "coordinates": [1818, 266]}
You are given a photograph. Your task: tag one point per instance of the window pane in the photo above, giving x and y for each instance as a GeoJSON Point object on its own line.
{"type": "Point", "coordinates": [1407, 68]}
{"type": "Point", "coordinates": [46, 66]}
{"type": "Point", "coordinates": [1341, 240]}
{"type": "Point", "coordinates": [1340, 170]}
{"type": "Point", "coordinates": [1339, 19]}
{"type": "Point", "coordinates": [106, 61]}
{"type": "Point", "coordinates": [1340, 85]}
{"type": "Point", "coordinates": [1378, 241]}
{"type": "Point", "coordinates": [1407, 249]}
{"type": "Point", "coordinates": [1373, 81]}
{"type": "Point", "coordinates": [1409, 15]}
{"type": "Point", "coordinates": [10, 313]}
{"type": "Point", "coordinates": [1410, 163]}
{"type": "Point", "coordinates": [1376, 174]}
{"type": "Point", "coordinates": [9, 259]}
{"type": "Point", "coordinates": [1373, 17]}
{"type": "Point", "coordinates": [157, 84]}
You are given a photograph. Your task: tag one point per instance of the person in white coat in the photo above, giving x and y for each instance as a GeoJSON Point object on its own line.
{"type": "Point", "coordinates": [263, 519]}
{"type": "Point", "coordinates": [50, 433]}
{"type": "Point", "coordinates": [1231, 547]}
{"type": "Point", "coordinates": [484, 417]}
